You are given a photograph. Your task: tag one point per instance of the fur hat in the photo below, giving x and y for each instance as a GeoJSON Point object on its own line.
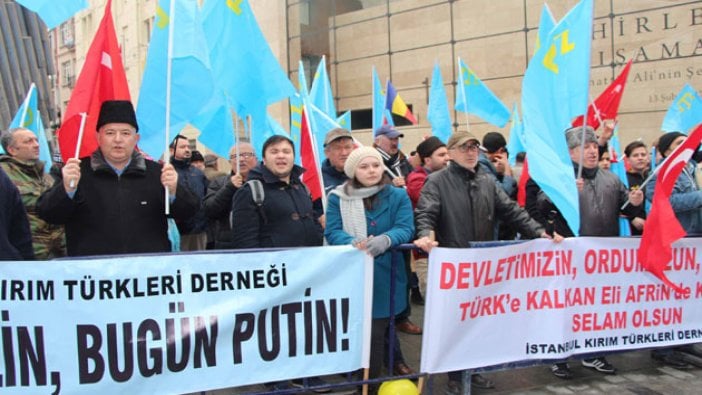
{"type": "Point", "coordinates": [574, 135]}
{"type": "Point", "coordinates": [427, 147]}
{"type": "Point", "coordinates": [357, 156]}
{"type": "Point", "coordinates": [117, 111]}
{"type": "Point", "coordinates": [666, 140]}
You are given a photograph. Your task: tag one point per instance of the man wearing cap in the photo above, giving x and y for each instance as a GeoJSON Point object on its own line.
{"type": "Point", "coordinates": [21, 163]}
{"type": "Point", "coordinates": [601, 194]}
{"type": "Point", "coordinates": [197, 161]}
{"type": "Point", "coordinates": [193, 231]}
{"type": "Point", "coordinates": [113, 202]}
{"type": "Point", "coordinates": [338, 144]}
{"type": "Point", "coordinates": [212, 167]}
{"type": "Point", "coordinates": [461, 204]}
{"type": "Point", "coordinates": [218, 200]}
{"type": "Point", "coordinates": [494, 158]}
{"type": "Point", "coordinates": [387, 142]}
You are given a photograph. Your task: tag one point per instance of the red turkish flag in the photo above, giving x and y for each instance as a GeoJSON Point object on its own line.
{"type": "Point", "coordinates": [311, 177]}
{"type": "Point", "coordinates": [102, 78]}
{"type": "Point", "coordinates": [607, 103]}
{"type": "Point", "coordinates": [662, 228]}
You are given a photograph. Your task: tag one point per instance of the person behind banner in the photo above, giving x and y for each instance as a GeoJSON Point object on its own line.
{"type": "Point", "coordinates": [367, 212]}
{"type": "Point", "coordinates": [494, 157]}
{"type": "Point", "coordinates": [113, 202]}
{"type": "Point", "coordinates": [462, 204]}
{"type": "Point", "coordinates": [601, 196]}
{"type": "Point", "coordinates": [193, 231]}
{"type": "Point", "coordinates": [686, 201]}
{"type": "Point", "coordinates": [639, 165]}
{"type": "Point", "coordinates": [220, 192]}
{"type": "Point", "coordinates": [21, 163]}
{"type": "Point", "coordinates": [338, 144]}
{"type": "Point", "coordinates": [15, 236]}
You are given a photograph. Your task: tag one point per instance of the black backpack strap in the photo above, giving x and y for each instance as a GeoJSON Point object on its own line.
{"type": "Point", "coordinates": [258, 195]}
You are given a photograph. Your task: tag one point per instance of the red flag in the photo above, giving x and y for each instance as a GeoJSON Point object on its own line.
{"type": "Point", "coordinates": [102, 78]}
{"type": "Point", "coordinates": [607, 103]}
{"type": "Point", "coordinates": [312, 178]}
{"type": "Point", "coordinates": [662, 227]}
{"type": "Point", "coordinates": [521, 187]}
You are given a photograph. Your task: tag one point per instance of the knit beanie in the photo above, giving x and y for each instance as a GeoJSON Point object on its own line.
{"type": "Point", "coordinates": [427, 147]}
{"type": "Point", "coordinates": [666, 140]}
{"type": "Point", "coordinates": [356, 156]}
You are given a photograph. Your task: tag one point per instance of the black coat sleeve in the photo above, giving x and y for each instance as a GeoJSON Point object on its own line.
{"type": "Point", "coordinates": [246, 221]}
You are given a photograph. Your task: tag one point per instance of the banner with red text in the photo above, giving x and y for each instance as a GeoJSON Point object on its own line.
{"type": "Point", "coordinates": [180, 323]}
{"type": "Point", "coordinates": [540, 300]}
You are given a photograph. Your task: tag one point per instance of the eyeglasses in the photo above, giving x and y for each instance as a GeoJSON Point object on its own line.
{"type": "Point", "coordinates": [468, 148]}
{"type": "Point", "coordinates": [245, 155]}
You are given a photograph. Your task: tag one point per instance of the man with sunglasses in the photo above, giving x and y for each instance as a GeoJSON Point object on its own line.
{"type": "Point", "coordinates": [461, 204]}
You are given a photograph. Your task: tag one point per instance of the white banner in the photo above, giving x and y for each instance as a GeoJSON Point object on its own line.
{"type": "Point", "coordinates": [180, 323]}
{"type": "Point", "coordinates": [540, 300]}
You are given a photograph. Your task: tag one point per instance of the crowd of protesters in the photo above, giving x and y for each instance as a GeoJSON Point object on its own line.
{"type": "Point", "coordinates": [457, 192]}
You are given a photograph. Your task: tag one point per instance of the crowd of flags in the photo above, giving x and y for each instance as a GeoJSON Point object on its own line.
{"type": "Point", "coordinates": [211, 67]}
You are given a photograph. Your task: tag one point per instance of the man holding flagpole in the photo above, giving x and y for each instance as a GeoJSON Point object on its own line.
{"type": "Point", "coordinates": [113, 202]}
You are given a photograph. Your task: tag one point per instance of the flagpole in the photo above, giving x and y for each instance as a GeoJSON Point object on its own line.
{"type": "Point", "coordinates": [236, 142]}
{"type": "Point", "coordinates": [76, 154]}
{"type": "Point", "coordinates": [463, 94]}
{"type": "Point", "coordinates": [26, 105]}
{"type": "Point", "coordinates": [169, 76]}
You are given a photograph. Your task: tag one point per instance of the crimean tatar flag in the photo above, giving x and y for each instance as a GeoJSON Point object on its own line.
{"type": "Point", "coordinates": [102, 78]}
{"type": "Point", "coordinates": [28, 117]}
{"type": "Point", "coordinates": [378, 101]}
{"type": "Point", "coordinates": [54, 12]}
{"type": "Point", "coordinates": [474, 97]}
{"type": "Point", "coordinates": [685, 112]}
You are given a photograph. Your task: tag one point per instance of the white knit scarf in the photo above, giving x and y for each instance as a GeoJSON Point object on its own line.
{"type": "Point", "coordinates": [353, 215]}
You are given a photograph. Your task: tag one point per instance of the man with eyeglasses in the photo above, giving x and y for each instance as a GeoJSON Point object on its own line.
{"type": "Point", "coordinates": [218, 200]}
{"type": "Point", "coordinates": [461, 204]}
{"type": "Point", "coordinates": [113, 202]}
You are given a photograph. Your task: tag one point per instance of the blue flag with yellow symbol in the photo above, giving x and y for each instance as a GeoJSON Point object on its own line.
{"type": "Point", "coordinates": [344, 120]}
{"type": "Point", "coordinates": [438, 111]}
{"type": "Point", "coordinates": [28, 117]}
{"type": "Point", "coordinates": [243, 64]}
{"type": "Point", "coordinates": [296, 107]}
{"type": "Point", "coordinates": [378, 102]}
{"type": "Point", "coordinates": [192, 87]}
{"type": "Point", "coordinates": [321, 92]}
{"type": "Point", "coordinates": [474, 97]}
{"type": "Point", "coordinates": [554, 91]}
{"type": "Point", "coordinates": [515, 144]}
{"type": "Point", "coordinates": [546, 24]}
{"type": "Point", "coordinates": [216, 125]}
{"type": "Point", "coordinates": [685, 112]}
{"type": "Point", "coordinates": [54, 12]}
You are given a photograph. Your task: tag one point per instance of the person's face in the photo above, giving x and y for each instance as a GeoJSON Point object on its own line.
{"type": "Point", "coordinates": [391, 146]}
{"type": "Point", "coordinates": [438, 159]}
{"type": "Point", "coordinates": [279, 158]}
{"type": "Point", "coordinates": [247, 159]}
{"type": "Point", "coordinates": [25, 146]}
{"type": "Point", "coordinates": [117, 142]}
{"type": "Point", "coordinates": [590, 156]}
{"type": "Point", "coordinates": [638, 159]}
{"type": "Point", "coordinates": [604, 162]}
{"type": "Point", "coordinates": [369, 171]}
{"type": "Point", "coordinates": [466, 154]}
{"type": "Point", "coordinates": [493, 156]}
{"type": "Point", "coordinates": [199, 165]}
{"type": "Point", "coordinates": [338, 151]}
{"type": "Point", "coordinates": [678, 140]}
{"type": "Point", "coordinates": [182, 150]}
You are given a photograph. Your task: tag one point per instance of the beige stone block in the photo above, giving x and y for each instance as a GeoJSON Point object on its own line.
{"type": "Point", "coordinates": [495, 56]}
{"type": "Point", "coordinates": [420, 27]}
{"type": "Point", "coordinates": [368, 39]}
{"type": "Point", "coordinates": [411, 68]}
{"type": "Point", "coordinates": [477, 18]}
{"type": "Point", "coordinates": [354, 77]}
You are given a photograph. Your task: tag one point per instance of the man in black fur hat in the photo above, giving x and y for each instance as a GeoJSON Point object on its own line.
{"type": "Point", "coordinates": [113, 202]}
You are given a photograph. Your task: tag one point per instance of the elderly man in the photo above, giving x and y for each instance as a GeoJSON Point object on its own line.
{"type": "Point", "coordinates": [387, 142]}
{"type": "Point", "coordinates": [218, 200]}
{"type": "Point", "coordinates": [113, 202]}
{"type": "Point", "coordinates": [461, 204]}
{"type": "Point", "coordinates": [15, 238]}
{"type": "Point", "coordinates": [338, 144]}
{"type": "Point", "coordinates": [193, 231]}
{"type": "Point", "coordinates": [22, 165]}
{"type": "Point", "coordinates": [601, 194]}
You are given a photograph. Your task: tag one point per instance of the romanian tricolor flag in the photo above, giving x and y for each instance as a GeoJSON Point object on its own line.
{"type": "Point", "coordinates": [396, 105]}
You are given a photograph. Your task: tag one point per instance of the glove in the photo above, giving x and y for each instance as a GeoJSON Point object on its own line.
{"type": "Point", "coordinates": [378, 245]}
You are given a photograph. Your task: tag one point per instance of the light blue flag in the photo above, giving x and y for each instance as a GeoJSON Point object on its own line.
{"type": "Point", "coordinates": [378, 102]}
{"type": "Point", "coordinates": [319, 121]}
{"type": "Point", "coordinates": [345, 120]}
{"type": "Point", "coordinates": [438, 112]}
{"type": "Point", "coordinates": [619, 169]}
{"type": "Point", "coordinates": [473, 97]}
{"type": "Point", "coordinates": [192, 87]}
{"type": "Point", "coordinates": [388, 118]}
{"type": "Point", "coordinates": [28, 117]}
{"type": "Point", "coordinates": [685, 112]}
{"type": "Point", "coordinates": [321, 92]}
{"type": "Point", "coordinates": [546, 24]}
{"type": "Point", "coordinates": [296, 107]}
{"type": "Point", "coordinates": [216, 126]}
{"type": "Point", "coordinates": [54, 12]}
{"type": "Point", "coordinates": [242, 61]}
{"type": "Point", "coordinates": [554, 91]}
{"type": "Point", "coordinates": [515, 144]}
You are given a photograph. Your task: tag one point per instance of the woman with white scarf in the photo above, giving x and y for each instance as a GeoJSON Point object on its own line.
{"type": "Point", "coordinates": [368, 212]}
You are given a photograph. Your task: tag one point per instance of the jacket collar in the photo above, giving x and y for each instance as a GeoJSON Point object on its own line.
{"type": "Point", "coordinates": [137, 164]}
{"type": "Point", "coordinates": [26, 167]}
{"type": "Point", "coordinates": [261, 172]}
